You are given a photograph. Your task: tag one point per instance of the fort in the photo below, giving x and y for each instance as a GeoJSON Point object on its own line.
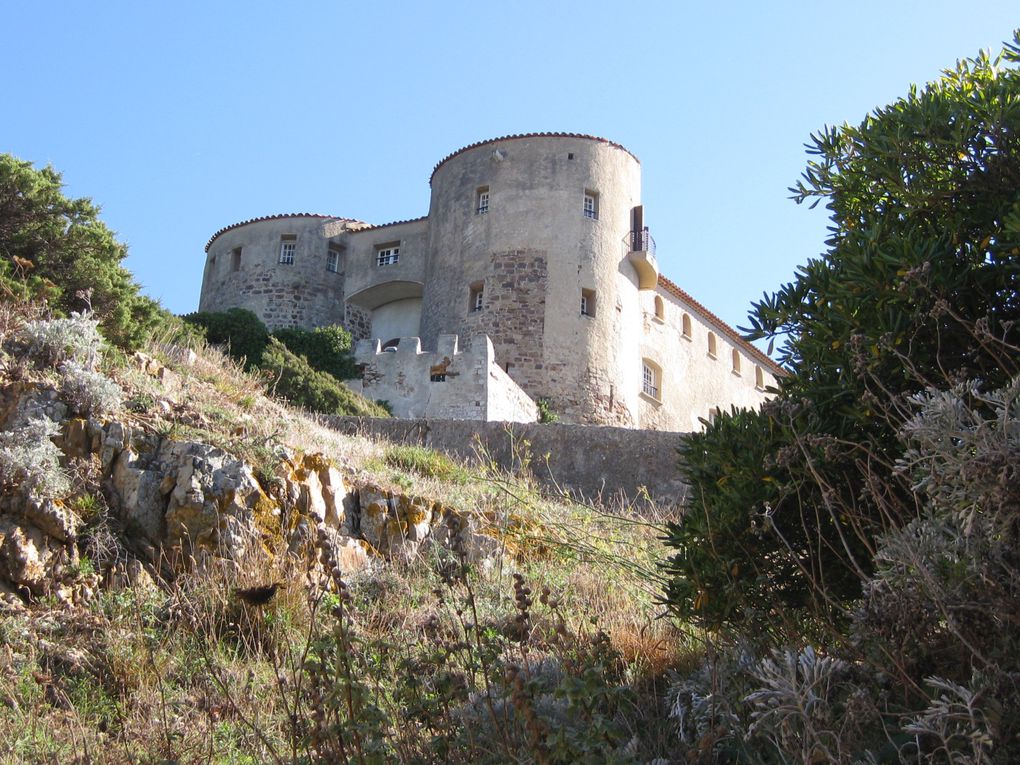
{"type": "Point", "coordinates": [532, 278]}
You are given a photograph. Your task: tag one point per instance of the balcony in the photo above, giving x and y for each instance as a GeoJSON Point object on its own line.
{"type": "Point", "coordinates": [641, 255]}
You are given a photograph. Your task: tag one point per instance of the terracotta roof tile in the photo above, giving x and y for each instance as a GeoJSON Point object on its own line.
{"type": "Point", "coordinates": [275, 217]}
{"type": "Point", "coordinates": [391, 223]}
{"type": "Point", "coordinates": [722, 326]}
{"type": "Point", "coordinates": [517, 136]}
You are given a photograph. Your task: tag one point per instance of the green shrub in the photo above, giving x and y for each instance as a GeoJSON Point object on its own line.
{"type": "Point", "coordinates": [327, 349]}
{"type": "Point", "coordinates": [238, 329]}
{"type": "Point", "coordinates": [57, 249]}
{"type": "Point", "coordinates": [292, 378]}
{"type": "Point", "coordinates": [918, 287]}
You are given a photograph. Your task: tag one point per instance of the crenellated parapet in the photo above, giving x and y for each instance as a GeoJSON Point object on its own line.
{"type": "Point", "coordinates": [451, 382]}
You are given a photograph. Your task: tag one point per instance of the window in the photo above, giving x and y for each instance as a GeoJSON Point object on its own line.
{"type": "Point", "coordinates": [235, 259]}
{"type": "Point", "coordinates": [711, 344]}
{"type": "Point", "coordinates": [387, 255]}
{"type": "Point", "coordinates": [437, 378]}
{"type": "Point", "coordinates": [482, 200]}
{"type": "Point", "coordinates": [759, 378]}
{"type": "Point", "coordinates": [591, 205]}
{"type": "Point", "coordinates": [477, 301]}
{"type": "Point", "coordinates": [713, 414]}
{"type": "Point", "coordinates": [660, 308]}
{"type": "Point", "coordinates": [651, 379]}
{"type": "Point", "coordinates": [288, 244]}
{"type": "Point", "coordinates": [333, 261]}
{"type": "Point", "coordinates": [587, 302]}
{"type": "Point", "coordinates": [686, 322]}
{"type": "Point", "coordinates": [736, 361]}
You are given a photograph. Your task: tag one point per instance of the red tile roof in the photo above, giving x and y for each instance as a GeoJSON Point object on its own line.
{"type": "Point", "coordinates": [275, 217]}
{"type": "Point", "coordinates": [391, 223]}
{"type": "Point", "coordinates": [517, 136]}
{"type": "Point", "coordinates": [722, 326]}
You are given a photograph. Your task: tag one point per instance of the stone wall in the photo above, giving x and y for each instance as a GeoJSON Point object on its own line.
{"type": "Point", "coordinates": [513, 316]}
{"type": "Point", "coordinates": [585, 460]}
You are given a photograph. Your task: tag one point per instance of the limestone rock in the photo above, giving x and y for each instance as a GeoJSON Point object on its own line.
{"type": "Point", "coordinates": [28, 557]}
{"type": "Point", "coordinates": [216, 503]}
{"type": "Point", "coordinates": [140, 498]}
{"type": "Point", "coordinates": [52, 518]}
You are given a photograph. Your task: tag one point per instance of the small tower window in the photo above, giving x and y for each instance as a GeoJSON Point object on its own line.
{"type": "Point", "coordinates": [711, 344]}
{"type": "Point", "coordinates": [482, 200]}
{"type": "Point", "coordinates": [736, 361]}
{"type": "Point", "coordinates": [333, 261]}
{"type": "Point", "coordinates": [477, 301]}
{"type": "Point", "coordinates": [591, 204]}
{"type": "Point", "coordinates": [759, 378]}
{"type": "Point", "coordinates": [387, 255]}
{"type": "Point", "coordinates": [235, 259]}
{"type": "Point", "coordinates": [288, 246]}
{"type": "Point", "coordinates": [587, 302]}
{"type": "Point", "coordinates": [686, 323]}
{"type": "Point", "coordinates": [660, 308]}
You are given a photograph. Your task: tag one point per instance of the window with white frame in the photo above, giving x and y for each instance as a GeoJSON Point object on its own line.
{"type": "Point", "coordinates": [587, 302]}
{"type": "Point", "coordinates": [333, 261]}
{"type": "Point", "coordinates": [651, 379]}
{"type": "Point", "coordinates": [288, 246]}
{"type": "Point", "coordinates": [387, 255]}
{"type": "Point", "coordinates": [482, 200]}
{"type": "Point", "coordinates": [591, 204]}
{"type": "Point", "coordinates": [477, 297]}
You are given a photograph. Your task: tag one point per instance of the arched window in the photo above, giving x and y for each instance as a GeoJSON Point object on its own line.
{"type": "Point", "coordinates": [711, 344]}
{"type": "Point", "coordinates": [687, 326]}
{"type": "Point", "coordinates": [759, 378]}
{"type": "Point", "coordinates": [736, 361]}
{"type": "Point", "coordinates": [660, 308]}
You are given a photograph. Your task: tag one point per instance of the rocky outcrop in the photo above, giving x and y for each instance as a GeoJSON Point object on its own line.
{"type": "Point", "coordinates": [185, 503]}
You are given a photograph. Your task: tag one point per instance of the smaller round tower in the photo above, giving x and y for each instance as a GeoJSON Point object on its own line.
{"type": "Point", "coordinates": [287, 269]}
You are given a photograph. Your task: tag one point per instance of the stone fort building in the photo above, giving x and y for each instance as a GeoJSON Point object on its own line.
{"type": "Point", "coordinates": [533, 276]}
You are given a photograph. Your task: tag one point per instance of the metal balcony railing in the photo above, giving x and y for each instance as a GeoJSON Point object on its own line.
{"type": "Point", "coordinates": [641, 241]}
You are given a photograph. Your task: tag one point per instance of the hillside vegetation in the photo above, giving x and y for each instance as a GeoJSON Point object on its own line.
{"type": "Point", "coordinates": [194, 571]}
{"type": "Point", "coordinates": [428, 612]}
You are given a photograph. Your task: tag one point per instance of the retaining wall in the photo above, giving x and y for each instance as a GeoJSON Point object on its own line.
{"type": "Point", "coordinates": [586, 461]}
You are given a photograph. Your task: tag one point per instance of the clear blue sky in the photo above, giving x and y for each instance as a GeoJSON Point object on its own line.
{"type": "Point", "coordinates": [180, 118]}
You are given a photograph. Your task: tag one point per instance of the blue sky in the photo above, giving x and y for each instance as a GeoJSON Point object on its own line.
{"type": "Point", "coordinates": [181, 118]}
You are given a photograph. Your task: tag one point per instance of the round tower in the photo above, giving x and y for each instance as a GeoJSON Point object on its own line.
{"type": "Point", "coordinates": [530, 242]}
{"type": "Point", "coordinates": [287, 269]}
